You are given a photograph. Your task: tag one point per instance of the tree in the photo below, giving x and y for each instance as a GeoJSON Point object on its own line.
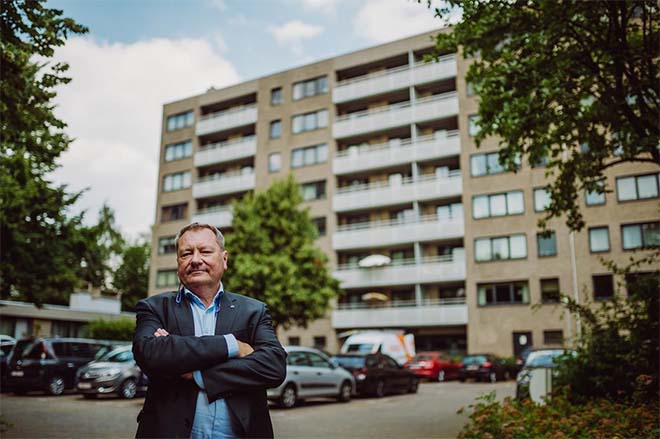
{"type": "Point", "coordinates": [132, 275]}
{"type": "Point", "coordinates": [571, 83]}
{"type": "Point", "coordinates": [273, 257]}
{"type": "Point", "coordinates": [38, 239]}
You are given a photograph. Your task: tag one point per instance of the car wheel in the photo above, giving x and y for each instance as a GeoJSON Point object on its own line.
{"type": "Point", "coordinates": [379, 391]}
{"type": "Point", "coordinates": [492, 377]}
{"type": "Point", "coordinates": [289, 397]}
{"type": "Point", "coordinates": [128, 389]}
{"type": "Point", "coordinates": [414, 385]}
{"type": "Point", "coordinates": [345, 392]}
{"type": "Point", "coordinates": [55, 386]}
{"type": "Point", "coordinates": [89, 395]}
{"type": "Point", "coordinates": [441, 375]}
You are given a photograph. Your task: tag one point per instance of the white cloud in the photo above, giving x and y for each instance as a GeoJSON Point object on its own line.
{"type": "Point", "coordinates": [324, 6]}
{"type": "Point", "coordinates": [386, 20]}
{"type": "Point", "coordinates": [113, 107]}
{"type": "Point", "coordinates": [292, 33]}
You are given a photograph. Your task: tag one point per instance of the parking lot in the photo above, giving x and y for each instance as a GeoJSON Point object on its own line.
{"type": "Point", "coordinates": [429, 413]}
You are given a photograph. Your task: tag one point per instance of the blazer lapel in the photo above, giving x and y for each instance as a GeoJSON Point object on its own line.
{"type": "Point", "coordinates": [224, 324]}
{"type": "Point", "coordinates": [184, 317]}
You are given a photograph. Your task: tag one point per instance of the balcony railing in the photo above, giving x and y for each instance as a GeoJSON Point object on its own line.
{"type": "Point", "coordinates": [219, 216]}
{"type": "Point", "coordinates": [227, 119]}
{"type": "Point", "coordinates": [366, 157]}
{"type": "Point", "coordinates": [221, 184]}
{"type": "Point", "coordinates": [402, 303]}
{"type": "Point", "coordinates": [221, 152]}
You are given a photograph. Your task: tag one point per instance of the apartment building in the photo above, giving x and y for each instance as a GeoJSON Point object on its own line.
{"type": "Point", "coordinates": [425, 232]}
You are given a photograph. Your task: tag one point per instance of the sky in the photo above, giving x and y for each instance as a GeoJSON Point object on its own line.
{"type": "Point", "coordinates": [141, 54]}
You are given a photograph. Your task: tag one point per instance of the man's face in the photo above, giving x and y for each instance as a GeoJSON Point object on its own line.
{"type": "Point", "coordinates": [201, 262]}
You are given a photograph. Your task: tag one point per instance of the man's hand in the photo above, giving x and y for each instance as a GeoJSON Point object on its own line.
{"type": "Point", "coordinates": [244, 349]}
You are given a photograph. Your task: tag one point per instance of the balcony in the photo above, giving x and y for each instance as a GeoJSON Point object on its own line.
{"type": "Point", "coordinates": [440, 312]}
{"type": "Point", "coordinates": [227, 119]}
{"type": "Point", "coordinates": [387, 233]}
{"type": "Point", "coordinates": [404, 272]}
{"type": "Point", "coordinates": [394, 79]}
{"type": "Point", "coordinates": [222, 152]}
{"type": "Point", "coordinates": [223, 184]}
{"type": "Point", "coordinates": [369, 157]}
{"type": "Point", "coordinates": [220, 216]}
{"type": "Point", "coordinates": [387, 193]}
{"type": "Point", "coordinates": [396, 115]}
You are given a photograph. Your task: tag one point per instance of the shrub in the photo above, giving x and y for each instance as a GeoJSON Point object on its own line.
{"type": "Point", "coordinates": [121, 329]}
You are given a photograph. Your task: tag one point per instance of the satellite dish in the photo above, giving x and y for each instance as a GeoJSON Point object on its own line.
{"type": "Point", "coordinates": [374, 261]}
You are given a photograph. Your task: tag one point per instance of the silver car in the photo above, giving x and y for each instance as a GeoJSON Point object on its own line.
{"type": "Point", "coordinates": [311, 374]}
{"type": "Point", "coordinates": [114, 372]}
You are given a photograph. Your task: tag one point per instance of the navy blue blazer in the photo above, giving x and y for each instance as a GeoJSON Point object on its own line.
{"type": "Point", "coordinates": [169, 407]}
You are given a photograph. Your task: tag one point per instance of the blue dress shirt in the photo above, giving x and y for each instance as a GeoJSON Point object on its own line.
{"type": "Point", "coordinates": [212, 420]}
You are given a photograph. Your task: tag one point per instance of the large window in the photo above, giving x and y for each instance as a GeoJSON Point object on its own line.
{"type": "Point", "coordinates": [167, 278]}
{"type": "Point", "coordinates": [595, 198]}
{"type": "Point", "coordinates": [599, 239]}
{"type": "Point", "coordinates": [173, 213]}
{"type": "Point", "coordinates": [319, 224]}
{"type": "Point", "coordinates": [473, 125]}
{"type": "Point", "coordinates": [274, 162]}
{"type": "Point", "coordinates": [311, 87]}
{"type": "Point", "coordinates": [487, 164]}
{"type": "Point", "coordinates": [313, 191]}
{"type": "Point", "coordinates": [503, 293]}
{"type": "Point", "coordinates": [637, 187]}
{"type": "Point", "coordinates": [508, 203]}
{"type": "Point", "coordinates": [547, 244]}
{"type": "Point", "coordinates": [176, 181]}
{"type": "Point", "coordinates": [275, 129]}
{"type": "Point", "coordinates": [276, 96]}
{"type": "Point", "coordinates": [503, 247]}
{"type": "Point", "coordinates": [642, 235]}
{"type": "Point", "coordinates": [550, 290]}
{"type": "Point", "coordinates": [541, 199]}
{"type": "Point", "coordinates": [176, 151]}
{"type": "Point", "coordinates": [309, 121]}
{"type": "Point", "coordinates": [310, 155]}
{"type": "Point", "coordinates": [179, 121]}
{"type": "Point", "coordinates": [603, 286]}
{"type": "Point", "coordinates": [166, 245]}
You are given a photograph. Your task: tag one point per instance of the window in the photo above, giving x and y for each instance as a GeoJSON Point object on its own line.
{"type": "Point", "coordinates": [645, 283]}
{"type": "Point", "coordinates": [317, 361]}
{"type": "Point", "coordinates": [320, 342]}
{"type": "Point", "coordinates": [313, 191]}
{"type": "Point", "coordinates": [319, 223]}
{"type": "Point", "coordinates": [638, 187]}
{"type": "Point", "coordinates": [473, 125]}
{"type": "Point", "coordinates": [173, 213]}
{"type": "Point", "coordinates": [311, 87]}
{"type": "Point", "coordinates": [550, 290]}
{"type": "Point", "coordinates": [179, 121]}
{"type": "Point", "coordinates": [310, 155]}
{"type": "Point", "coordinates": [166, 245]}
{"type": "Point", "coordinates": [176, 151]}
{"type": "Point", "coordinates": [309, 121]}
{"type": "Point", "coordinates": [594, 198]}
{"type": "Point", "coordinates": [541, 199]}
{"type": "Point", "coordinates": [503, 247]}
{"type": "Point", "coordinates": [276, 96]}
{"type": "Point", "coordinates": [603, 286]}
{"type": "Point", "coordinates": [547, 244]}
{"type": "Point", "coordinates": [643, 235]}
{"type": "Point", "coordinates": [503, 293]}
{"type": "Point", "coordinates": [469, 89]}
{"type": "Point", "coordinates": [553, 337]}
{"type": "Point", "coordinates": [275, 129]}
{"type": "Point", "coordinates": [294, 341]}
{"type": "Point", "coordinates": [508, 203]}
{"type": "Point", "coordinates": [599, 239]}
{"type": "Point", "coordinates": [166, 278]}
{"type": "Point", "coordinates": [176, 181]}
{"type": "Point", "coordinates": [487, 164]}
{"type": "Point", "coordinates": [274, 162]}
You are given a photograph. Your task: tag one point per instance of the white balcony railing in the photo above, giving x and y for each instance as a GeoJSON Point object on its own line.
{"type": "Point", "coordinates": [386, 233]}
{"type": "Point", "coordinates": [396, 115]}
{"type": "Point", "coordinates": [220, 216]}
{"type": "Point", "coordinates": [442, 312]}
{"type": "Point", "coordinates": [223, 184]}
{"type": "Point", "coordinates": [227, 119]}
{"type": "Point", "coordinates": [226, 151]}
{"type": "Point", "coordinates": [394, 79]}
{"type": "Point", "coordinates": [368, 157]}
{"type": "Point", "coordinates": [406, 190]}
{"type": "Point", "coordinates": [405, 272]}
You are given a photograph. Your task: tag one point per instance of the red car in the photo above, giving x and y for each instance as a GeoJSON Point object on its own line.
{"type": "Point", "coordinates": [436, 366]}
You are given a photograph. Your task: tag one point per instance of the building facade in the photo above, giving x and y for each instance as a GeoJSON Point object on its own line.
{"type": "Point", "coordinates": [382, 145]}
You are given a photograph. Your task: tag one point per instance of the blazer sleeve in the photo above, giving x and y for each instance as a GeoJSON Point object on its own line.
{"type": "Point", "coordinates": [263, 368]}
{"type": "Point", "coordinates": [173, 355]}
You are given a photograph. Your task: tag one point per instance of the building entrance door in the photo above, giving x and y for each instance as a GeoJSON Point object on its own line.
{"type": "Point", "coordinates": [521, 341]}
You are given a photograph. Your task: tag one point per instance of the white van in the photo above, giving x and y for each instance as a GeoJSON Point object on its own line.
{"type": "Point", "coordinates": [395, 344]}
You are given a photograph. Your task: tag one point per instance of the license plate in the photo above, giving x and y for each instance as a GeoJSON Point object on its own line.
{"type": "Point", "coordinates": [84, 385]}
{"type": "Point", "coordinates": [472, 367]}
{"type": "Point", "coordinates": [17, 373]}
{"type": "Point", "coordinates": [415, 366]}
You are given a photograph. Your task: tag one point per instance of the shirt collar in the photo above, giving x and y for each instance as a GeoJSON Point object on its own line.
{"type": "Point", "coordinates": [194, 298]}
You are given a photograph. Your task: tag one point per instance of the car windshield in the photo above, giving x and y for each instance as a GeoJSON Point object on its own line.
{"type": "Point", "coordinates": [543, 358]}
{"type": "Point", "coordinates": [117, 356]}
{"type": "Point", "coordinates": [360, 347]}
{"type": "Point", "coordinates": [475, 359]}
{"type": "Point", "coordinates": [350, 361]}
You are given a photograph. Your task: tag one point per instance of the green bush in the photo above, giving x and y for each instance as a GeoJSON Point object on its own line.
{"type": "Point", "coordinates": [121, 329]}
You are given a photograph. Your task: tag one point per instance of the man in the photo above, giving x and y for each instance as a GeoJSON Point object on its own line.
{"type": "Point", "coordinates": [209, 354]}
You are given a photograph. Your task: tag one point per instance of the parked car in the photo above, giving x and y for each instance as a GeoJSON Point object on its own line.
{"type": "Point", "coordinates": [378, 374]}
{"type": "Point", "coordinates": [6, 345]}
{"type": "Point", "coordinates": [546, 358]}
{"type": "Point", "coordinates": [50, 364]}
{"type": "Point", "coordinates": [311, 374]}
{"type": "Point", "coordinates": [436, 366]}
{"type": "Point", "coordinates": [397, 345]}
{"type": "Point", "coordinates": [482, 367]}
{"type": "Point", "coordinates": [115, 372]}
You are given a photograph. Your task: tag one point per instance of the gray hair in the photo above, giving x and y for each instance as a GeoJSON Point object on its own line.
{"type": "Point", "coordinates": [197, 226]}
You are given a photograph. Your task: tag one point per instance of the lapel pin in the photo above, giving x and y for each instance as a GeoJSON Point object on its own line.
{"type": "Point", "coordinates": [232, 306]}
